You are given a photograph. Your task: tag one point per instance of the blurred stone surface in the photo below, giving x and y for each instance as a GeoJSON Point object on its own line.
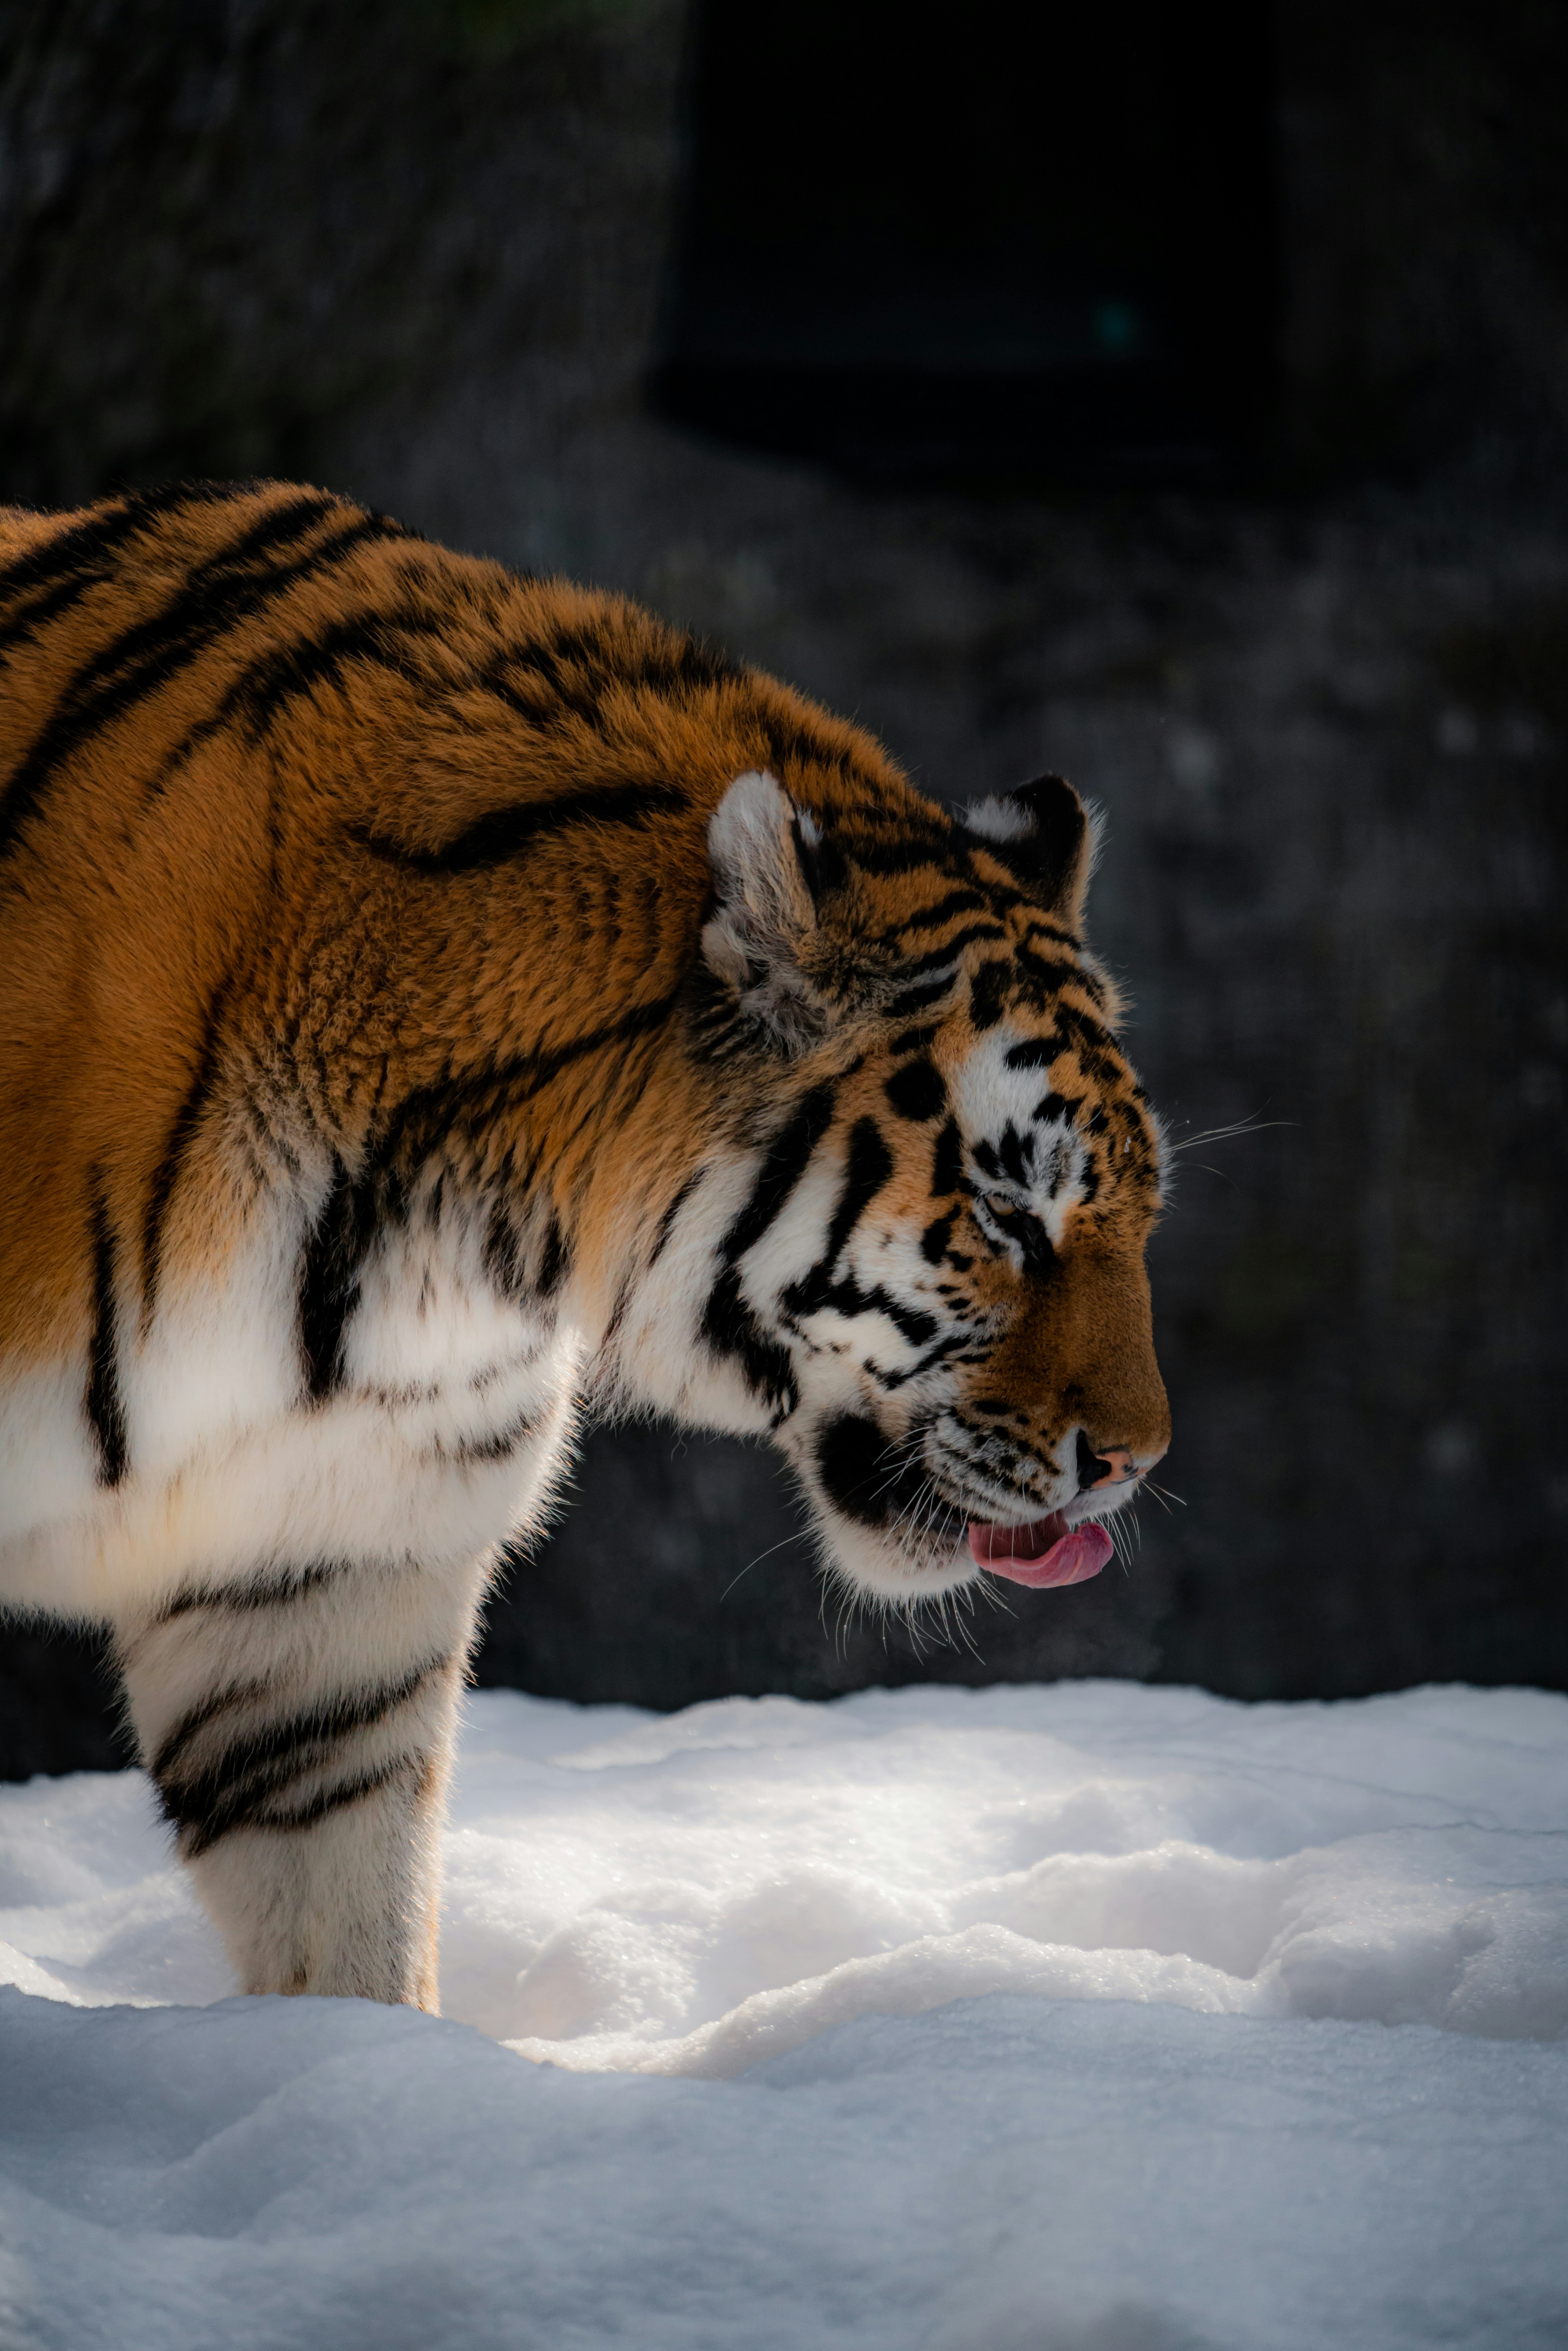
{"type": "Point", "coordinates": [415, 252]}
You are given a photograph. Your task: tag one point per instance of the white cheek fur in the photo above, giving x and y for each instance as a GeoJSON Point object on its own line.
{"type": "Point", "coordinates": [795, 1240]}
{"type": "Point", "coordinates": [660, 1359]}
{"type": "Point", "coordinates": [985, 1094]}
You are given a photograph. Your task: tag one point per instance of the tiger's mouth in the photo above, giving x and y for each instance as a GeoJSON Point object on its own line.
{"type": "Point", "coordinates": [1041, 1551]}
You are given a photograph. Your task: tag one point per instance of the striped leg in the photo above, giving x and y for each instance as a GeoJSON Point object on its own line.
{"type": "Point", "coordinates": [299, 1727]}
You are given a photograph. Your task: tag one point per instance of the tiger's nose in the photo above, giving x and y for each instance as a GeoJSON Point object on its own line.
{"type": "Point", "coordinates": [1113, 1467]}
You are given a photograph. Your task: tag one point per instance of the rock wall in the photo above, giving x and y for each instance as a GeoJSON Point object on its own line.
{"type": "Point", "coordinates": [416, 252]}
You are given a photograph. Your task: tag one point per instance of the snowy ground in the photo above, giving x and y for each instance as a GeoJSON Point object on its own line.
{"type": "Point", "coordinates": [1087, 2019]}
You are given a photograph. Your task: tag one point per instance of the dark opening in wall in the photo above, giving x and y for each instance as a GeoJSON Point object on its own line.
{"type": "Point", "coordinates": [1011, 238]}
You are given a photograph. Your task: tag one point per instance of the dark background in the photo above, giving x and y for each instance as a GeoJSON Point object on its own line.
{"type": "Point", "coordinates": [1192, 418]}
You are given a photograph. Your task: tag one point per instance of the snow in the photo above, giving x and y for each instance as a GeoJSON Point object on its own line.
{"type": "Point", "coordinates": [1095, 2018]}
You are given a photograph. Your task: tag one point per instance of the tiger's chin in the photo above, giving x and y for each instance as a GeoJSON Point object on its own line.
{"type": "Point", "coordinates": [892, 1571]}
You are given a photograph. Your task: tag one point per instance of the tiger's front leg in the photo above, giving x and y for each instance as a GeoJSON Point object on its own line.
{"type": "Point", "coordinates": [299, 1727]}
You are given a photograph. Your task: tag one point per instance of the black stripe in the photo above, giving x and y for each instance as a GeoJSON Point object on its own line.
{"type": "Point", "coordinates": [678, 664]}
{"type": "Point", "coordinates": [147, 656]}
{"type": "Point", "coordinates": [330, 1275]}
{"type": "Point", "coordinates": [619, 1311]}
{"type": "Point", "coordinates": [242, 1597]}
{"type": "Point", "coordinates": [1041, 977]}
{"type": "Point", "coordinates": [499, 1446]}
{"type": "Point", "coordinates": [601, 649]}
{"type": "Point", "coordinates": [729, 1324]}
{"type": "Point", "coordinates": [26, 623]}
{"type": "Point", "coordinates": [868, 1169]}
{"type": "Point", "coordinates": [427, 1116]}
{"type": "Point", "coordinates": [588, 647]}
{"type": "Point", "coordinates": [263, 691]}
{"type": "Point", "coordinates": [630, 1080]}
{"type": "Point", "coordinates": [237, 1789]}
{"type": "Point", "coordinates": [105, 1410]}
{"type": "Point", "coordinates": [507, 832]}
{"type": "Point", "coordinates": [731, 1328]}
{"type": "Point", "coordinates": [934, 1241]}
{"type": "Point", "coordinates": [954, 1345]}
{"type": "Point", "coordinates": [1095, 1045]}
{"type": "Point", "coordinates": [916, 1091]}
{"type": "Point", "coordinates": [223, 1700]}
{"type": "Point", "coordinates": [902, 853]}
{"type": "Point", "coordinates": [65, 568]}
{"type": "Point", "coordinates": [874, 1481]}
{"type": "Point", "coordinates": [502, 1258]}
{"type": "Point", "coordinates": [166, 1175]}
{"type": "Point", "coordinates": [152, 635]}
{"type": "Point", "coordinates": [785, 1162]}
{"type": "Point", "coordinates": [669, 666]}
{"type": "Point", "coordinates": [667, 1221]}
{"type": "Point", "coordinates": [337, 1798]}
{"type": "Point", "coordinates": [283, 525]}
{"type": "Point", "coordinates": [715, 1025]}
{"type": "Point", "coordinates": [923, 997]}
{"type": "Point", "coordinates": [1053, 1108]}
{"type": "Point", "coordinates": [917, 966]}
{"type": "Point", "coordinates": [795, 742]}
{"type": "Point", "coordinates": [956, 901]}
{"type": "Point", "coordinates": [357, 1205]}
{"type": "Point", "coordinates": [1038, 927]}
{"type": "Point", "coordinates": [817, 1292]}
{"type": "Point", "coordinates": [555, 1258]}
{"type": "Point", "coordinates": [947, 1162]}
{"type": "Point", "coordinates": [988, 987]}
{"type": "Point", "coordinates": [104, 530]}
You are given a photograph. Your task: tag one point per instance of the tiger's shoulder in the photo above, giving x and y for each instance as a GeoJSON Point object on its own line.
{"type": "Point", "coordinates": [243, 727]}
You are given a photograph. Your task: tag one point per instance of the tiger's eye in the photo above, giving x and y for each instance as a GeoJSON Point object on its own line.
{"type": "Point", "coordinates": [1022, 1228]}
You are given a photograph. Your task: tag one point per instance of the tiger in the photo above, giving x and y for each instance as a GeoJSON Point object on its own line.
{"type": "Point", "coordinates": [440, 1002]}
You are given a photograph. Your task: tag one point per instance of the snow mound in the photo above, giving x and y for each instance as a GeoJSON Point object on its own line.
{"type": "Point", "coordinates": [1006, 2175]}
{"type": "Point", "coordinates": [1289, 2074]}
{"type": "Point", "coordinates": [693, 1894]}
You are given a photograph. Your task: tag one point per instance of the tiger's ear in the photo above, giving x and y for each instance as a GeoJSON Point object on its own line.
{"type": "Point", "coordinates": [757, 941]}
{"type": "Point", "coordinates": [1042, 833]}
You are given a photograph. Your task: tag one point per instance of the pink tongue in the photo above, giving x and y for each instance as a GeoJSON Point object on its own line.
{"type": "Point", "coordinates": [1072, 1559]}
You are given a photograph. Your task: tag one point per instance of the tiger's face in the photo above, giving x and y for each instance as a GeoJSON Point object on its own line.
{"type": "Point", "coordinates": [918, 1261]}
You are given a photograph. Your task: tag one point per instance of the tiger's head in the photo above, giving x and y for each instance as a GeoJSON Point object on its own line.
{"type": "Point", "coordinates": [914, 1253]}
